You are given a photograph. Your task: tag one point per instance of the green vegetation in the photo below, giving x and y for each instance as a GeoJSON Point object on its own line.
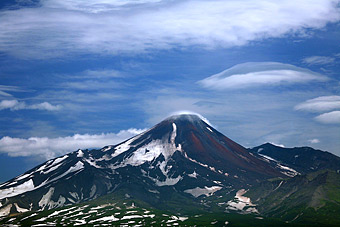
{"type": "Point", "coordinates": [305, 200]}
{"type": "Point", "coordinates": [129, 214]}
{"type": "Point", "coordinates": [312, 199]}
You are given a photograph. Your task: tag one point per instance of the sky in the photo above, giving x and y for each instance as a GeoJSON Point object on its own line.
{"type": "Point", "coordinates": [85, 74]}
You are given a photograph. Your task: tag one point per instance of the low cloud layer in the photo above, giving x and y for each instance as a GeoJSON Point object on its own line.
{"type": "Point", "coordinates": [253, 74]}
{"type": "Point", "coordinates": [47, 148]}
{"type": "Point", "coordinates": [56, 27]}
{"type": "Point", "coordinates": [17, 105]}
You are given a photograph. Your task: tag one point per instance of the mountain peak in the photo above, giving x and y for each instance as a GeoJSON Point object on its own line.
{"type": "Point", "coordinates": [187, 116]}
{"type": "Point", "coordinates": [184, 117]}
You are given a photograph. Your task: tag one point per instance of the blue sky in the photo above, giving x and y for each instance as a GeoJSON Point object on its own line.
{"type": "Point", "coordinates": [82, 74]}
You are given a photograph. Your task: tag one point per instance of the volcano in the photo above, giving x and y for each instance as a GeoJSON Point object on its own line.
{"type": "Point", "coordinates": [182, 157]}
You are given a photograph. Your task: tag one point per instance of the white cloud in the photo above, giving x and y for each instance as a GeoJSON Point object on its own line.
{"type": "Point", "coordinates": [16, 105]}
{"type": "Point", "coordinates": [48, 148]}
{"type": "Point", "coordinates": [161, 107]}
{"type": "Point", "coordinates": [329, 118]}
{"type": "Point", "coordinates": [320, 104]}
{"type": "Point", "coordinates": [5, 88]}
{"type": "Point", "coordinates": [191, 113]}
{"type": "Point", "coordinates": [2, 93]}
{"type": "Point", "coordinates": [95, 74]}
{"type": "Point", "coordinates": [44, 106]}
{"type": "Point", "coordinates": [90, 85]}
{"type": "Point", "coordinates": [11, 104]}
{"type": "Point", "coordinates": [56, 27]}
{"type": "Point", "coordinates": [314, 141]}
{"type": "Point", "coordinates": [102, 73]}
{"type": "Point", "coordinates": [318, 60]}
{"type": "Point", "coordinates": [95, 6]}
{"type": "Point", "coordinates": [253, 74]}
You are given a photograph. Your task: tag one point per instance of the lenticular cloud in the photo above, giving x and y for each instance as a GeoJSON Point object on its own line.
{"type": "Point", "coordinates": [252, 74]}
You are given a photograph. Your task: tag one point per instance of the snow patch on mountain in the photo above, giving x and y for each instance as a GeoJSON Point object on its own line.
{"type": "Point", "coordinates": [106, 148]}
{"type": "Point", "coordinates": [46, 198]}
{"type": "Point", "coordinates": [80, 153]}
{"type": "Point", "coordinates": [52, 168]}
{"type": "Point", "coordinates": [165, 170]}
{"type": "Point", "coordinates": [5, 210]}
{"type": "Point", "coordinates": [204, 165]}
{"type": "Point", "coordinates": [93, 190]}
{"type": "Point", "coordinates": [57, 160]}
{"type": "Point", "coordinates": [77, 167]}
{"type": "Point", "coordinates": [32, 215]}
{"type": "Point", "coordinates": [74, 195]}
{"type": "Point", "coordinates": [23, 176]}
{"type": "Point", "coordinates": [174, 133]}
{"type": "Point", "coordinates": [122, 148]}
{"type": "Point", "coordinates": [193, 175]}
{"type": "Point", "coordinates": [51, 163]}
{"type": "Point", "coordinates": [151, 151]}
{"type": "Point", "coordinates": [47, 202]}
{"type": "Point", "coordinates": [17, 190]}
{"type": "Point", "coordinates": [146, 153]}
{"type": "Point", "coordinates": [278, 186]}
{"type": "Point", "coordinates": [42, 167]}
{"type": "Point", "coordinates": [207, 191]}
{"type": "Point", "coordinates": [19, 209]}
{"type": "Point", "coordinates": [168, 181]}
{"type": "Point", "coordinates": [268, 158]}
{"type": "Point", "coordinates": [12, 183]}
{"type": "Point", "coordinates": [92, 162]}
{"type": "Point", "coordinates": [107, 218]}
{"type": "Point", "coordinates": [286, 170]}
{"type": "Point", "coordinates": [240, 202]}
{"type": "Point", "coordinates": [29, 185]}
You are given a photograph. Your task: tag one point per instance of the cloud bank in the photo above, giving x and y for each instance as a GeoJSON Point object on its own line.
{"type": "Point", "coordinates": [56, 27]}
{"type": "Point", "coordinates": [252, 74]}
{"type": "Point", "coordinates": [16, 105]}
{"type": "Point", "coordinates": [47, 148]}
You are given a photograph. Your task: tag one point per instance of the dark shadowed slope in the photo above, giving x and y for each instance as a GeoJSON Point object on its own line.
{"type": "Point", "coordinates": [301, 159]}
